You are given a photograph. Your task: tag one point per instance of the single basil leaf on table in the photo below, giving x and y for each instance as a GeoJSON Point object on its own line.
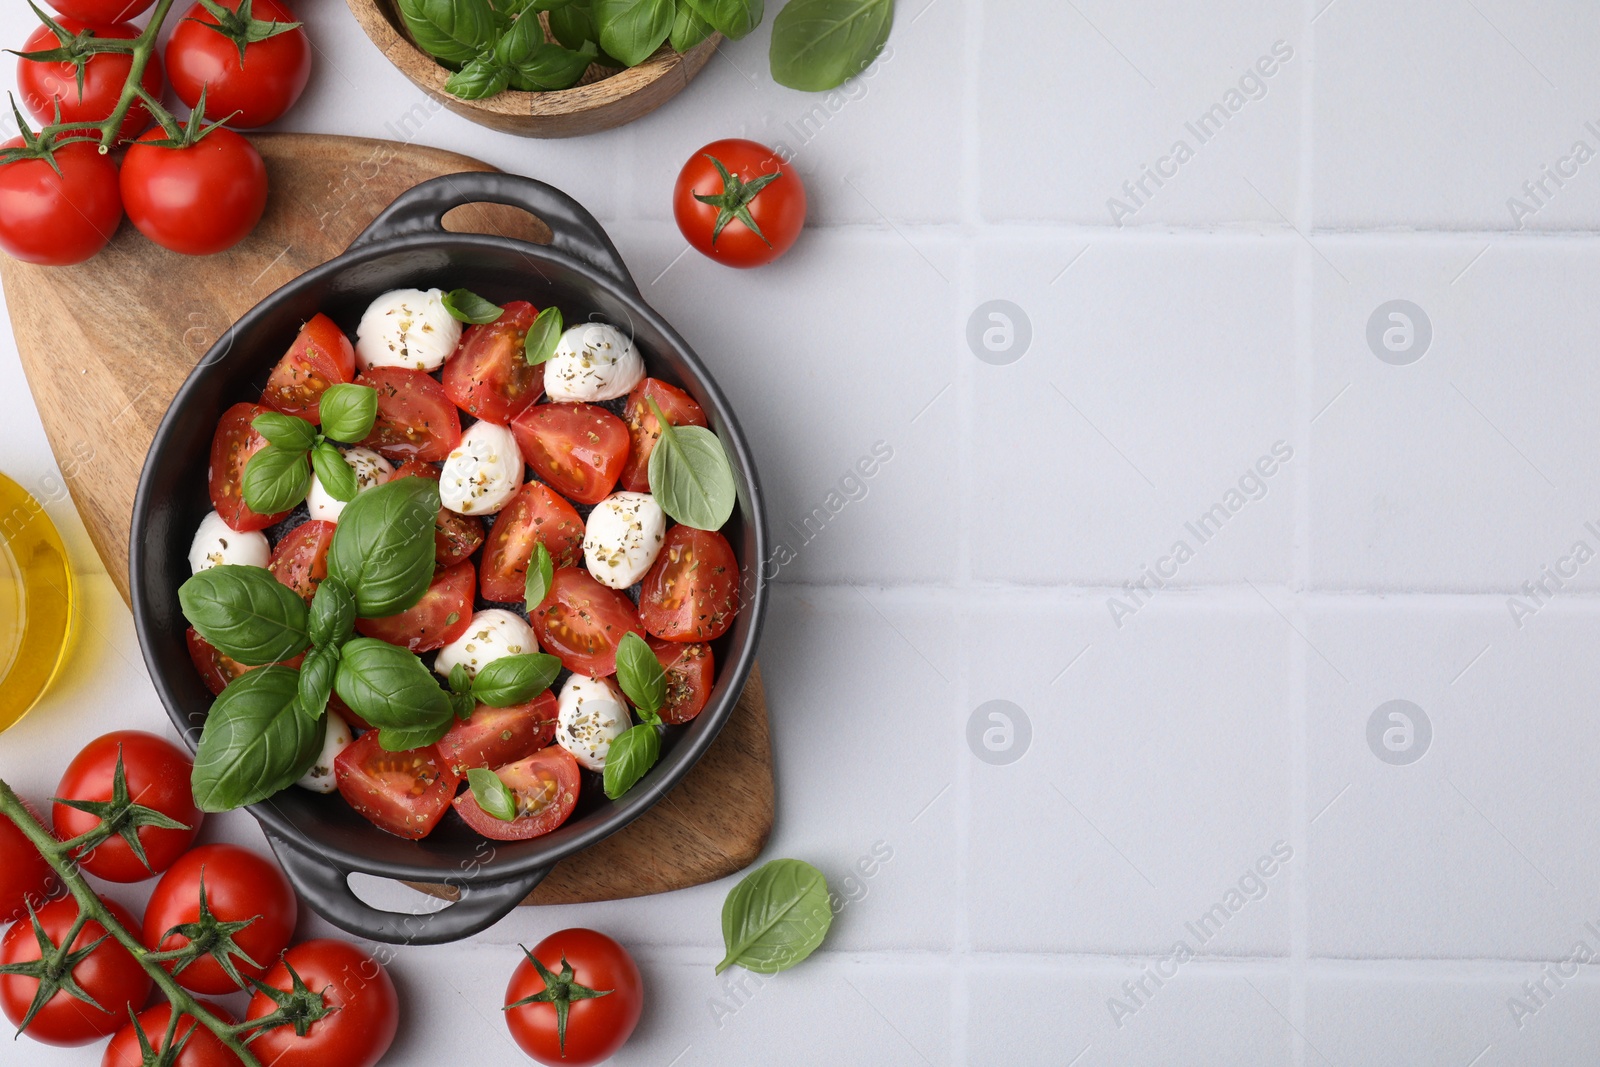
{"type": "Point", "coordinates": [332, 614]}
{"type": "Point", "coordinates": [515, 679]}
{"type": "Point", "coordinates": [246, 613]}
{"type": "Point", "coordinates": [688, 28]}
{"type": "Point", "coordinates": [383, 547]}
{"type": "Point", "coordinates": [451, 30]}
{"type": "Point", "coordinates": [550, 67]}
{"type": "Point", "coordinates": [630, 758]}
{"type": "Point", "coordinates": [275, 479]}
{"type": "Point", "coordinates": [775, 917]}
{"type": "Point", "coordinates": [631, 30]}
{"type": "Point", "coordinates": [818, 45]}
{"type": "Point", "coordinates": [289, 432]}
{"type": "Point", "coordinates": [640, 675]}
{"type": "Point", "coordinates": [336, 476]}
{"type": "Point", "coordinates": [690, 475]}
{"type": "Point", "coordinates": [389, 687]}
{"type": "Point", "coordinates": [463, 304]}
{"type": "Point", "coordinates": [316, 682]}
{"type": "Point", "coordinates": [255, 742]}
{"type": "Point", "coordinates": [348, 411]}
{"type": "Point", "coordinates": [541, 572]}
{"type": "Point", "coordinates": [492, 795]}
{"type": "Point", "coordinates": [732, 18]}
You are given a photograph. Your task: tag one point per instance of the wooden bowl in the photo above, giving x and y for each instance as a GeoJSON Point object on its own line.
{"type": "Point", "coordinates": [605, 98]}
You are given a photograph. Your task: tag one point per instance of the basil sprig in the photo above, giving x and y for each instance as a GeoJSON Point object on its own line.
{"type": "Point", "coordinates": [543, 336]}
{"type": "Point", "coordinates": [775, 917]}
{"type": "Point", "coordinates": [246, 613]}
{"type": "Point", "coordinates": [690, 475]}
{"type": "Point", "coordinates": [316, 682]}
{"type": "Point", "coordinates": [818, 45]}
{"type": "Point", "coordinates": [383, 547]}
{"type": "Point", "coordinates": [348, 411]}
{"type": "Point", "coordinates": [332, 614]}
{"type": "Point", "coordinates": [256, 741]}
{"type": "Point", "coordinates": [632, 30]}
{"type": "Point", "coordinates": [390, 688]}
{"type": "Point", "coordinates": [631, 755]}
{"type": "Point", "coordinates": [278, 476]}
{"type": "Point", "coordinates": [453, 31]}
{"type": "Point", "coordinates": [492, 795]}
{"type": "Point", "coordinates": [503, 682]}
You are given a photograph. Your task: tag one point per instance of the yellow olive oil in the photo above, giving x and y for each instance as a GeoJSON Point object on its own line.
{"type": "Point", "coordinates": [37, 609]}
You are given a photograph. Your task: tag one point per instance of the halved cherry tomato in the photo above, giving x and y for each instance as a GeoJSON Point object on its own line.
{"type": "Point", "coordinates": [199, 1046]}
{"type": "Point", "coordinates": [300, 559]}
{"type": "Point", "coordinates": [240, 885]}
{"type": "Point", "coordinates": [109, 974]}
{"type": "Point", "coordinates": [581, 622]}
{"type": "Point", "coordinates": [320, 356]}
{"type": "Point", "coordinates": [691, 592]}
{"type": "Point", "coordinates": [216, 669]}
{"type": "Point", "coordinates": [405, 793]}
{"type": "Point", "coordinates": [536, 515]}
{"type": "Point", "coordinates": [578, 448]}
{"type": "Point", "coordinates": [644, 430]}
{"type": "Point", "coordinates": [415, 418]}
{"type": "Point", "coordinates": [493, 737]}
{"type": "Point", "coordinates": [689, 677]}
{"type": "Point", "coordinates": [231, 448]}
{"type": "Point", "coordinates": [455, 537]}
{"type": "Point", "coordinates": [545, 786]}
{"type": "Point", "coordinates": [488, 376]}
{"type": "Point", "coordinates": [157, 774]}
{"type": "Point", "coordinates": [442, 615]}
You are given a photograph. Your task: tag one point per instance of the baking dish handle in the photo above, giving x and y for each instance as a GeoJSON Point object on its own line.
{"type": "Point", "coordinates": [421, 209]}
{"type": "Point", "coordinates": [326, 887]}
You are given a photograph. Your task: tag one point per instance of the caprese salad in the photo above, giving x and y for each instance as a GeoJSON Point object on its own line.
{"type": "Point", "coordinates": [469, 561]}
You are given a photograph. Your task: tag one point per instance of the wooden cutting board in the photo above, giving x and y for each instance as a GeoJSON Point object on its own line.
{"type": "Point", "coordinates": [106, 344]}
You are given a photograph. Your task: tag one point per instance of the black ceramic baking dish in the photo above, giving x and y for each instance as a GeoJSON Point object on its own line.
{"type": "Point", "coordinates": [319, 839]}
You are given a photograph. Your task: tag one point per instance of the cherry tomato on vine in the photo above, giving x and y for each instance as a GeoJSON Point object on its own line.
{"type": "Point", "coordinates": [576, 965]}
{"type": "Point", "coordinates": [46, 84]}
{"type": "Point", "coordinates": [157, 774]}
{"type": "Point", "coordinates": [101, 10]}
{"type": "Point", "coordinates": [240, 885]}
{"type": "Point", "coordinates": [255, 90]}
{"type": "Point", "coordinates": [109, 974]}
{"type": "Point", "coordinates": [197, 200]}
{"type": "Point", "coordinates": [359, 1029]}
{"type": "Point", "coordinates": [739, 203]}
{"type": "Point", "coordinates": [58, 219]}
{"type": "Point", "coordinates": [25, 877]}
{"type": "Point", "coordinates": [200, 1046]}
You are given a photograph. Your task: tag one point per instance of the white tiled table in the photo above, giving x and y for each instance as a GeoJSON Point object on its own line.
{"type": "Point", "coordinates": [1227, 715]}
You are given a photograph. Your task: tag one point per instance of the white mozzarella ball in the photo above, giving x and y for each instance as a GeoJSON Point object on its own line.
{"type": "Point", "coordinates": [371, 469]}
{"type": "Point", "coordinates": [593, 361]}
{"type": "Point", "coordinates": [407, 328]}
{"type": "Point", "coordinates": [320, 778]}
{"type": "Point", "coordinates": [483, 472]}
{"type": "Point", "coordinates": [623, 537]}
{"type": "Point", "coordinates": [591, 716]}
{"type": "Point", "coordinates": [216, 543]}
{"type": "Point", "coordinates": [492, 634]}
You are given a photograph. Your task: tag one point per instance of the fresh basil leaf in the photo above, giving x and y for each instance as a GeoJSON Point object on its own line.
{"type": "Point", "coordinates": [541, 572]}
{"type": "Point", "coordinates": [630, 758]}
{"type": "Point", "coordinates": [640, 675]}
{"type": "Point", "coordinates": [543, 336]}
{"type": "Point", "coordinates": [255, 742]}
{"type": "Point", "coordinates": [451, 30]}
{"type": "Point", "coordinates": [515, 679]}
{"type": "Point", "coordinates": [463, 304]}
{"type": "Point", "coordinates": [332, 614]}
{"type": "Point", "coordinates": [336, 476]}
{"type": "Point", "coordinates": [246, 613]}
{"type": "Point", "coordinates": [275, 479]}
{"type": "Point", "coordinates": [492, 795]}
{"type": "Point", "coordinates": [316, 682]}
{"type": "Point", "coordinates": [550, 67]}
{"type": "Point", "coordinates": [688, 28]}
{"type": "Point", "coordinates": [460, 680]}
{"type": "Point", "coordinates": [513, 47]}
{"type": "Point", "coordinates": [348, 411]}
{"type": "Point", "coordinates": [732, 18]}
{"type": "Point", "coordinates": [483, 77]}
{"type": "Point", "coordinates": [404, 739]}
{"type": "Point", "coordinates": [775, 917]}
{"type": "Point", "coordinates": [573, 23]}
{"type": "Point", "coordinates": [690, 475]}
{"type": "Point", "coordinates": [461, 697]}
{"type": "Point", "coordinates": [383, 547]}
{"type": "Point", "coordinates": [288, 432]}
{"type": "Point", "coordinates": [632, 30]}
{"type": "Point", "coordinates": [818, 45]}
{"type": "Point", "coordinates": [390, 688]}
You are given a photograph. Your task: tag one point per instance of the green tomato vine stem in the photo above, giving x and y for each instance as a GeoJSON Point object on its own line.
{"type": "Point", "coordinates": [141, 49]}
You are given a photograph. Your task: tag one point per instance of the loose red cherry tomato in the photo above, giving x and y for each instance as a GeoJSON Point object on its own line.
{"type": "Point", "coordinates": [415, 418]}
{"type": "Point", "coordinates": [690, 675]}
{"type": "Point", "coordinates": [494, 737]}
{"type": "Point", "coordinates": [109, 974]}
{"type": "Point", "coordinates": [596, 1027]}
{"type": "Point", "coordinates": [581, 622]}
{"type": "Point", "coordinates": [691, 592]}
{"type": "Point", "coordinates": [320, 356]}
{"type": "Point", "coordinates": [25, 877]}
{"type": "Point", "coordinates": [197, 200]}
{"type": "Point", "coordinates": [247, 92]}
{"type": "Point", "coordinates": [442, 615]}
{"type": "Point", "coordinates": [455, 537]}
{"type": "Point", "coordinates": [300, 558]}
{"type": "Point", "coordinates": [157, 774]}
{"type": "Point", "coordinates": [216, 669]}
{"type": "Point", "coordinates": [544, 788]}
{"type": "Point", "coordinates": [578, 448]}
{"type": "Point", "coordinates": [58, 219]}
{"type": "Point", "coordinates": [364, 1009]}
{"type": "Point", "coordinates": [239, 885]}
{"type": "Point", "coordinates": [758, 181]}
{"type": "Point", "coordinates": [405, 793]}
{"type": "Point", "coordinates": [536, 515]}
{"type": "Point", "coordinates": [489, 375]}
{"type": "Point", "coordinates": [46, 86]}
{"type": "Point", "coordinates": [101, 10]}
{"type": "Point", "coordinates": [200, 1047]}
{"type": "Point", "coordinates": [235, 442]}
{"type": "Point", "coordinates": [644, 430]}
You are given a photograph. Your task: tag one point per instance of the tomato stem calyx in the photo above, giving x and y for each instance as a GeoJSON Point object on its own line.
{"type": "Point", "coordinates": [119, 817]}
{"type": "Point", "coordinates": [210, 936]}
{"type": "Point", "coordinates": [560, 990]}
{"type": "Point", "coordinates": [53, 969]}
{"type": "Point", "coordinates": [239, 26]}
{"type": "Point", "coordinates": [735, 199]}
{"type": "Point", "coordinates": [298, 1007]}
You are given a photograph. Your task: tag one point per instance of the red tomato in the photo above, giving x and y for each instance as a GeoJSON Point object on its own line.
{"type": "Point", "coordinates": [235, 442]}
{"type": "Point", "coordinates": [578, 448]}
{"type": "Point", "coordinates": [217, 670]}
{"type": "Point", "coordinates": [494, 737]}
{"type": "Point", "coordinates": [58, 219]}
{"type": "Point", "coordinates": [363, 1017]}
{"type": "Point", "coordinates": [415, 418]}
{"type": "Point", "coordinates": [247, 93]}
{"type": "Point", "coordinates": [545, 786]}
{"type": "Point", "coordinates": [405, 793]}
{"type": "Point", "coordinates": [320, 356]}
{"type": "Point", "coordinates": [25, 877]}
{"type": "Point", "coordinates": [689, 677]}
{"type": "Point", "coordinates": [644, 430]}
{"type": "Point", "coordinates": [442, 615]}
{"type": "Point", "coordinates": [101, 10]}
{"type": "Point", "coordinates": [200, 1047]}
{"type": "Point", "coordinates": [46, 86]}
{"type": "Point", "coordinates": [581, 622]}
{"type": "Point", "coordinates": [197, 200]}
{"type": "Point", "coordinates": [778, 208]}
{"type": "Point", "coordinates": [455, 537]}
{"type": "Point", "coordinates": [535, 515]}
{"type": "Point", "coordinates": [597, 1027]}
{"type": "Point", "coordinates": [109, 974]}
{"type": "Point", "coordinates": [239, 885]}
{"type": "Point", "coordinates": [300, 558]}
{"type": "Point", "coordinates": [488, 375]}
{"type": "Point", "coordinates": [691, 592]}
{"type": "Point", "coordinates": [157, 774]}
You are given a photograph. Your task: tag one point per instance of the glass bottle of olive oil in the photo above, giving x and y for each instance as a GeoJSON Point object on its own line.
{"type": "Point", "coordinates": [37, 608]}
